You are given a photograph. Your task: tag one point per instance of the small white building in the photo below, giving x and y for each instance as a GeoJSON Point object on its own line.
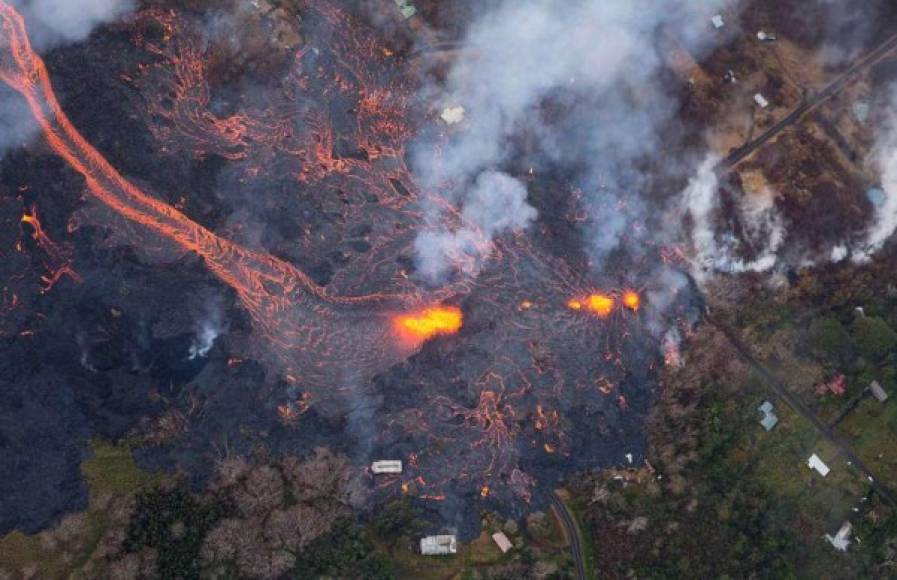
{"type": "Point", "coordinates": [764, 36]}
{"type": "Point", "coordinates": [761, 100]}
{"type": "Point", "coordinates": [439, 545]}
{"type": "Point", "coordinates": [815, 463]}
{"type": "Point", "coordinates": [718, 21]}
{"type": "Point", "coordinates": [841, 540]}
{"type": "Point", "coordinates": [504, 544]}
{"type": "Point", "coordinates": [878, 392]}
{"type": "Point", "coordinates": [386, 466]}
{"type": "Point", "coordinates": [768, 416]}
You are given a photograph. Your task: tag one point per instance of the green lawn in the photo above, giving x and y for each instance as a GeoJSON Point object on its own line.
{"type": "Point", "coordinates": [872, 431]}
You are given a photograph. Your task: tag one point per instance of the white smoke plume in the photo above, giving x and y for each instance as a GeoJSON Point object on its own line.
{"type": "Point", "coordinates": [208, 328]}
{"type": "Point", "coordinates": [885, 219]}
{"type": "Point", "coordinates": [51, 23]}
{"type": "Point", "coordinates": [763, 227]}
{"type": "Point", "coordinates": [65, 21]}
{"type": "Point", "coordinates": [700, 202]}
{"type": "Point", "coordinates": [596, 61]}
{"type": "Point", "coordinates": [494, 204]}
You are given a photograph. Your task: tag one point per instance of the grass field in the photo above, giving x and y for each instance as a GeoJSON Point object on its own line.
{"type": "Point", "coordinates": [872, 431]}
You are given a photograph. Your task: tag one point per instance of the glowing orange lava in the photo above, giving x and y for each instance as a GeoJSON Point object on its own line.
{"type": "Point", "coordinates": [430, 322]}
{"type": "Point", "coordinates": [308, 325]}
{"type": "Point", "coordinates": [600, 304]}
{"type": "Point", "coordinates": [632, 300]}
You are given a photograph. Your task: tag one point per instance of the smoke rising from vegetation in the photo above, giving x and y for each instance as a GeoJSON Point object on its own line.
{"type": "Point", "coordinates": [885, 157]}
{"type": "Point", "coordinates": [714, 251]}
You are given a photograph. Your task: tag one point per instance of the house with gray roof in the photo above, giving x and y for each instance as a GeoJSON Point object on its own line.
{"type": "Point", "coordinates": [768, 416]}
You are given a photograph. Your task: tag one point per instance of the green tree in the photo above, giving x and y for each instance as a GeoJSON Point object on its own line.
{"type": "Point", "coordinates": [345, 552]}
{"type": "Point", "coordinates": [394, 519]}
{"type": "Point", "coordinates": [830, 340]}
{"type": "Point", "coordinates": [874, 337]}
{"type": "Point", "coordinates": [173, 522]}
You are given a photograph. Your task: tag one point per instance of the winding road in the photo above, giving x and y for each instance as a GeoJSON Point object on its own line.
{"type": "Point", "coordinates": [569, 523]}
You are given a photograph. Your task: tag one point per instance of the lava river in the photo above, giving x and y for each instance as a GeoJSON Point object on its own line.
{"type": "Point", "coordinates": [318, 334]}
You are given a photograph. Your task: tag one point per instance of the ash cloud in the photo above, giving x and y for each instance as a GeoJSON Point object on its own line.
{"type": "Point", "coordinates": [581, 81]}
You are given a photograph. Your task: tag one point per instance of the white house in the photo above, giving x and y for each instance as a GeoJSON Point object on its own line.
{"type": "Point", "coordinates": [815, 463]}
{"type": "Point", "coordinates": [504, 544]}
{"type": "Point", "coordinates": [452, 115]}
{"type": "Point", "coordinates": [386, 466]}
{"type": "Point", "coordinates": [761, 100]}
{"type": "Point", "coordinates": [842, 539]}
{"type": "Point", "coordinates": [438, 545]}
{"type": "Point", "coordinates": [718, 21]}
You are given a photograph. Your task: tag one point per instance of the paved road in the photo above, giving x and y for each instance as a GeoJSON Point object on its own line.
{"type": "Point", "coordinates": [573, 533]}
{"type": "Point", "coordinates": [811, 102]}
{"type": "Point", "coordinates": [798, 405]}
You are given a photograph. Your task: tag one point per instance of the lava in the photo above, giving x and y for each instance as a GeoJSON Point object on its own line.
{"type": "Point", "coordinates": [632, 300]}
{"type": "Point", "coordinates": [523, 399]}
{"type": "Point", "coordinates": [430, 322]}
{"type": "Point", "coordinates": [58, 258]}
{"type": "Point", "coordinates": [601, 305]}
{"type": "Point", "coordinates": [309, 327]}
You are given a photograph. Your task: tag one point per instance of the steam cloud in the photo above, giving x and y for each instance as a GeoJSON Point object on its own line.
{"type": "Point", "coordinates": [598, 63]}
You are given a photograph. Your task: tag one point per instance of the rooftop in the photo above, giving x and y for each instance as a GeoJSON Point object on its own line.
{"type": "Point", "coordinates": [815, 463]}
{"type": "Point", "coordinates": [438, 545]}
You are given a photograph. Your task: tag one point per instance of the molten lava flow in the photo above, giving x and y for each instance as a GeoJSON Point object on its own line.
{"type": "Point", "coordinates": [308, 327]}
{"type": "Point", "coordinates": [600, 305]}
{"type": "Point", "coordinates": [632, 300]}
{"type": "Point", "coordinates": [58, 259]}
{"type": "Point", "coordinates": [430, 322]}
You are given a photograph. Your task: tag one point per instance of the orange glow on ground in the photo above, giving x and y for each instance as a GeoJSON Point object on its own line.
{"type": "Point", "coordinates": [601, 304]}
{"type": "Point", "coordinates": [632, 300]}
{"type": "Point", "coordinates": [430, 322]}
